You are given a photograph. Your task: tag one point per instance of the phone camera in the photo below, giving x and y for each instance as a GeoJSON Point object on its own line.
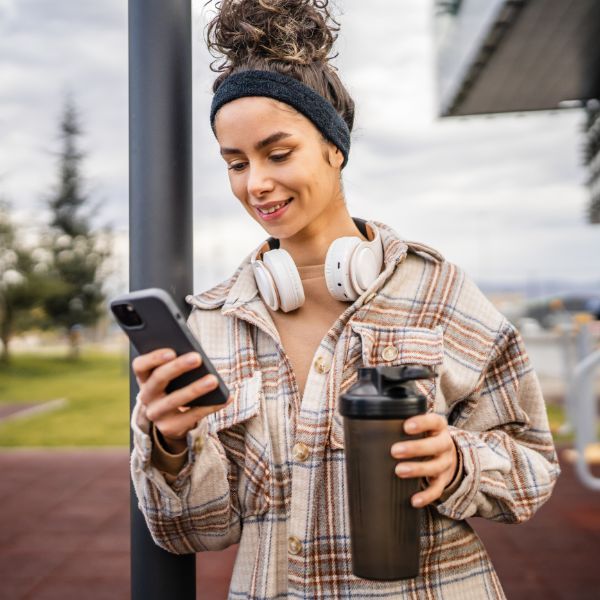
{"type": "Point", "coordinates": [127, 315]}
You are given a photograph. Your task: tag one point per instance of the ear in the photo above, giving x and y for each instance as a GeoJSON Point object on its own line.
{"type": "Point", "coordinates": [336, 158]}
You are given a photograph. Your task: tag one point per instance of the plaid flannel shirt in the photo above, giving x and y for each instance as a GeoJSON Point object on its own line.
{"type": "Point", "coordinates": [245, 481]}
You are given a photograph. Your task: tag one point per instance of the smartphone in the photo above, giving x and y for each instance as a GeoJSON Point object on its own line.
{"type": "Point", "coordinates": [151, 320]}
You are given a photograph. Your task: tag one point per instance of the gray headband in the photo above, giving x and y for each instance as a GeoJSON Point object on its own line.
{"type": "Point", "coordinates": [291, 91]}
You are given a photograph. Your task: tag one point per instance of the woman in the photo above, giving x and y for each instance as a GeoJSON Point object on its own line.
{"type": "Point", "coordinates": [267, 469]}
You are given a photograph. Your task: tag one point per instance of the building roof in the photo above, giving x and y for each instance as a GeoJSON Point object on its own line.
{"type": "Point", "coordinates": [498, 56]}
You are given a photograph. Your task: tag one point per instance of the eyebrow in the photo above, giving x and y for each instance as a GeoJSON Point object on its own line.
{"type": "Point", "coordinates": [274, 137]}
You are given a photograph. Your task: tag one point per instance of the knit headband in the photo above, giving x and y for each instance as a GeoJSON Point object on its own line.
{"type": "Point", "coordinates": [291, 91]}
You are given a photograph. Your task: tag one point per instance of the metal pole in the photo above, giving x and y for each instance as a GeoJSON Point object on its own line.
{"type": "Point", "coordinates": [160, 220]}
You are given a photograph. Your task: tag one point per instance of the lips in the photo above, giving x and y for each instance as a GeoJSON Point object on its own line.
{"type": "Point", "coordinates": [271, 207]}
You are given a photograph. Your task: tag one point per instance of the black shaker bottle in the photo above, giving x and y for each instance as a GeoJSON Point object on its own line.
{"type": "Point", "coordinates": [384, 526]}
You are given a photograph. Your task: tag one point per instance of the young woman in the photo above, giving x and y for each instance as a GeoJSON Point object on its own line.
{"type": "Point", "coordinates": [326, 294]}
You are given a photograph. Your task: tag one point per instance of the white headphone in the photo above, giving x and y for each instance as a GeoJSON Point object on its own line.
{"type": "Point", "coordinates": [351, 265]}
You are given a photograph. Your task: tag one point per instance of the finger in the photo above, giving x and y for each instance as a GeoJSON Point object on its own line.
{"type": "Point", "coordinates": [428, 446]}
{"type": "Point", "coordinates": [430, 422]}
{"type": "Point", "coordinates": [144, 364]}
{"type": "Point", "coordinates": [426, 468]}
{"type": "Point", "coordinates": [178, 426]}
{"type": "Point", "coordinates": [197, 413]}
{"type": "Point", "coordinates": [170, 403]}
{"type": "Point", "coordinates": [429, 494]}
{"type": "Point", "coordinates": [163, 375]}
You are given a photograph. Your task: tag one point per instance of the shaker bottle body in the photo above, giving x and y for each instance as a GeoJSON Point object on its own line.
{"type": "Point", "coordinates": [384, 526]}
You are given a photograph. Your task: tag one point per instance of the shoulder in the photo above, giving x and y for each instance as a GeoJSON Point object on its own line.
{"type": "Point", "coordinates": [445, 294]}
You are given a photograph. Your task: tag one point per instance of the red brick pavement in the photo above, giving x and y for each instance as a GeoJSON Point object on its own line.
{"type": "Point", "coordinates": [64, 533]}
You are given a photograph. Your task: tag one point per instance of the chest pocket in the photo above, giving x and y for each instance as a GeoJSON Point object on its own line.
{"type": "Point", "coordinates": [377, 345]}
{"type": "Point", "coordinates": [242, 429]}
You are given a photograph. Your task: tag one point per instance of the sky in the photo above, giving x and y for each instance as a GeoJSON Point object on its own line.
{"type": "Point", "coordinates": [503, 196]}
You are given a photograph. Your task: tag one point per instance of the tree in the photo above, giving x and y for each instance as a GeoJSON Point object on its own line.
{"type": "Point", "coordinates": [23, 282]}
{"type": "Point", "coordinates": [78, 252]}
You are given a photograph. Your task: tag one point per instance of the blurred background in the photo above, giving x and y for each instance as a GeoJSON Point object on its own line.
{"type": "Point", "coordinates": [477, 132]}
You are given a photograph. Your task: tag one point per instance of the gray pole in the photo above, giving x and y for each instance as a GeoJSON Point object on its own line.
{"type": "Point", "coordinates": [160, 220]}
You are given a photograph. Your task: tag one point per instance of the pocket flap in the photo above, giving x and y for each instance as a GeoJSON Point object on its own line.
{"type": "Point", "coordinates": [389, 345]}
{"type": "Point", "coordinates": [245, 404]}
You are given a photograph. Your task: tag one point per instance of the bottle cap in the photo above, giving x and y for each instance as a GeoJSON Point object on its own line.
{"type": "Point", "coordinates": [385, 393]}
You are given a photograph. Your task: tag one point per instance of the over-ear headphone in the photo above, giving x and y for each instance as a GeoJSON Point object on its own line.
{"type": "Point", "coordinates": [351, 265]}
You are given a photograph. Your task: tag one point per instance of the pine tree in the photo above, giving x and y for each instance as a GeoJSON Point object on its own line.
{"type": "Point", "coordinates": [23, 282]}
{"type": "Point", "coordinates": [77, 250]}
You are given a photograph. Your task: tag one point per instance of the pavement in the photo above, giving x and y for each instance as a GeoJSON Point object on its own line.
{"type": "Point", "coordinates": [64, 533]}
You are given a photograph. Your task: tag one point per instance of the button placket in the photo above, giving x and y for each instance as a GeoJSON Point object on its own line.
{"type": "Point", "coordinates": [302, 452]}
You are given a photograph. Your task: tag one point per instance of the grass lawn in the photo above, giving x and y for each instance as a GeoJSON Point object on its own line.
{"type": "Point", "coordinates": [96, 389]}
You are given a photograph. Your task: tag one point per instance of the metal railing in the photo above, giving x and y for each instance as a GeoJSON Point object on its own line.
{"type": "Point", "coordinates": [580, 399]}
{"type": "Point", "coordinates": [586, 415]}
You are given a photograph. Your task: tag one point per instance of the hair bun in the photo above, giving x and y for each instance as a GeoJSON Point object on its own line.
{"type": "Point", "coordinates": [286, 31]}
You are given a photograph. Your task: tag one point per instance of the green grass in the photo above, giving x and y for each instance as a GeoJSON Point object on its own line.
{"type": "Point", "coordinates": [96, 389]}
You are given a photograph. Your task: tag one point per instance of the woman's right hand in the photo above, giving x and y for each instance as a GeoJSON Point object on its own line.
{"type": "Point", "coordinates": [153, 372]}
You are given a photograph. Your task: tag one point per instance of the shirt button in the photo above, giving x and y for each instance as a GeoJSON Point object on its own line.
{"type": "Point", "coordinates": [389, 353]}
{"type": "Point", "coordinates": [198, 445]}
{"type": "Point", "coordinates": [294, 545]}
{"type": "Point", "coordinates": [321, 365]}
{"type": "Point", "coordinates": [301, 452]}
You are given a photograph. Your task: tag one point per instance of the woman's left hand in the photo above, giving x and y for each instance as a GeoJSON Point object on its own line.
{"type": "Point", "coordinates": [440, 450]}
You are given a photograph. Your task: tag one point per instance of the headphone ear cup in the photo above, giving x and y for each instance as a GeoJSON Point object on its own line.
{"type": "Point", "coordinates": [366, 263]}
{"type": "Point", "coordinates": [337, 268]}
{"type": "Point", "coordinates": [286, 279]}
{"type": "Point", "coordinates": [266, 285]}
{"type": "Point", "coordinates": [364, 269]}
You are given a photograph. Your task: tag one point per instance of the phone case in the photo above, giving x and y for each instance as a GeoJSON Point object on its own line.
{"type": "Point", "coordinates": [163, 326]}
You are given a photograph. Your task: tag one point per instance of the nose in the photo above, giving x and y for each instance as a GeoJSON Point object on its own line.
{"type": "Point", "coordinates": [260, 181]}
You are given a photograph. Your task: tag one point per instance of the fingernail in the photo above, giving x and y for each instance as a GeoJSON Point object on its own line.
{"type": "Point", "coordinates": [192, 359]}
{"type": "Point", "coordinates": [398, 449]}
{"type": "Point", "coordinates": [403, 469]}
{"type": "Point", "coordinates": [168, 355]}
{"type": "Point", "coordinates": [410, 426]}
{"type": "Point", "coordinates": [417, 501]}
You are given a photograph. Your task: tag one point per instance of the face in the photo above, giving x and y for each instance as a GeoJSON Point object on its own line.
{"type": "Point", "coordinates": [280, 168]}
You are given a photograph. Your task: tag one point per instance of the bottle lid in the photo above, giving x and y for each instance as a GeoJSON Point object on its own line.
{"type": "Point", "coordinates": [385, 393]}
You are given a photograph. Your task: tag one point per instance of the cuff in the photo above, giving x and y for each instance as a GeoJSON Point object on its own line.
{"type": "Point", "coordinates": [452, 486]}
{"type": "Point", "coordinates": [460, 492]}
{"type": "Point", "coordinates": [140, 426]}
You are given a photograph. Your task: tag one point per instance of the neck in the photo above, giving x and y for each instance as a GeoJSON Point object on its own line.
{"type": "Point", "coordinates": [310, 245]}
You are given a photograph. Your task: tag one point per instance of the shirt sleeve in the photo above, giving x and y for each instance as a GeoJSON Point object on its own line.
{"type": "Point", "coordinates": [501, 430]}
{"type": "Point", "coordinates": [198, 509]}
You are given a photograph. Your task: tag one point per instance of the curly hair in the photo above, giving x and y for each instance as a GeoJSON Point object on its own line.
{"type": "Point", "coordinates": [291, 37]}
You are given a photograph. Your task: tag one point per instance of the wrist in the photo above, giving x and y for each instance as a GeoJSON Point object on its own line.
{"type": "Point", "coordinates": [171, 445]}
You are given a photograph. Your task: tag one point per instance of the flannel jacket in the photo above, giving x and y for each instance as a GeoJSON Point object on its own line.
{"type": "Point", "coordinates": [268, 472]}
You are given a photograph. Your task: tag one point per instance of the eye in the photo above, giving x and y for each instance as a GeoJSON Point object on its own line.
{"type": "Point", "coordinates": [236, 166]}
{"type": "Point", "coordinates": [280, 157]}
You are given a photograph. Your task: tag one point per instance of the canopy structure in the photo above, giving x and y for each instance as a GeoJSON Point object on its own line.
{"type": "Point", "coordinates": [499, 56]}
{"type": "Point", "coordinates": [496, 56]}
